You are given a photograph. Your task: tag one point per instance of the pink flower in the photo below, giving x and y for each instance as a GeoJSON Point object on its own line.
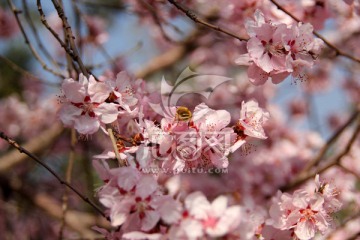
{"type": "Point", "coordinates": [123, 91]}
{"type": "Point", "coordinates": [305, 213]}
{"type": "Point", "coordinates": [216, 137]}
{"type": "Point", "coordinates": [134, 200]}
{"type": "Point", "coordinates": [329, 193]}
{"type": "Point", "coordinates": [250, 124]}
{"type": "Point", "coordinates": [302, 212]}
{"type": "Point", "coordinates": [265, 46]}
{"type": "Point", "coordinates": [202, 218]}
{"type": "Point", "coordinates": [85, 107]}
{"type": "Point", "coordinates": [275, 50]}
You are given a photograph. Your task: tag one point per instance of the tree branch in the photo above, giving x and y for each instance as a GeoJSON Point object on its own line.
{"type": "Point", "coordinates": [300, 179]}
{"type": "Point", "coordinates": [200, 21]}
{"type": "Point", "coordinates": [42, 141]}
{"type": "Point", "coordinates": [27, 41]}
{"type": "Point", "coordinates": [338, 52]}
{"type": "Point", "coordinates": [50, 170]}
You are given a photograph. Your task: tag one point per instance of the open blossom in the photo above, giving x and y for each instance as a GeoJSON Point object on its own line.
{"type": "Point", "coordinates": [84, 107]}
{"type": "Point", "coordinates": [217, 138]}
{"type": "Point", "coordinates": [134, 200]}
{"type": "Point", "coordinates": [304, 213]}
{"type": "Point", "coordinates": [201, 142]}
{"type": "Point", "coordinates": [276, 50]}
{"type": "Point", "coordinates": [123, 91]}
{"type": "Point", "coordinates": [252, 119]}
{"type": "Point", "coordinates": [202, 218]}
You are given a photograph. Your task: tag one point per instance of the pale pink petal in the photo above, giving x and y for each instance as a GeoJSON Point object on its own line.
{"type": "Point", "coordinates": [128, 177]}
{"type": "Point", "coordinates": [243, 59]}
{"type": "Point", "coordinates": [197, 205]}
{"type": "Point", "coordinates": [192, 228]}
{"type": "Point", "coordinates": [305, 230]}
{"type": "Point", "coordinates": [74, 91]}
{"type": "Point", "coordinates": [258, 55]}
{"type": "Point", "coordinates": [150, 220]}
{"type": "Point", "coordinates": [69, 113]}
{"type": "Point", "coordinates": [219, 206]}
{"type": "Point", "coordinates": [141, 236]}
{"type": "Point", "coordinates": [169, 209]}
{"type": "Point", "coordinates": [279, 77]}
{"type": "Point", "coordinates": [146, 186]}
{"type": "Point", "coordinates": [87, 125]}
{"type": "Point", "coordinates": [107, 112]}
{"type": "Point", "coordinates": [98, 91]}
{"type": "Point", "coordinates": [256, 75]}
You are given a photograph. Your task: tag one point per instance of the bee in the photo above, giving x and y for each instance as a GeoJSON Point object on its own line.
{"type": "Point", "coordinates": [183, 114]}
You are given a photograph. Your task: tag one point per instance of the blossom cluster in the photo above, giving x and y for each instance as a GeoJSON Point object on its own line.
{"type": "Point", "coordinates": [305, 213]}
{"type": "Point", "coordinates": [136, 202]}
{"type": "Point", "coordinates": [145, 204]}
{"type": "Point", "coordinates": [276, 50]}
{"type": "Point", "coordinates": [201, 140]}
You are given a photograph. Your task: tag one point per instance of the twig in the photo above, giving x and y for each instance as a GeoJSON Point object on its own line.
{"type": "Point", "coordinates": [27, 41]}
{"type": "Point", "coordinates": [36, 35]}
{"type": "Point", "coordinates": [113, 142]}
{"type": "Point", "coordinates": [355, 236]}
{"type": "Point", "coordinates": [350, 171]}
{"type": "Point", "coordinates": [70, 36]}
{"type": "Point", "coordinates": [336, 161]}
{"type": "Point", "coordinates": [22, 71]}
{"type": "Point", "coordinates": [170, 57]}
{"type": "Point", "coordinates": [104, 4]}
{"type": "Point", "coordinates": [71, 51]}
{"type": "Point", "coordinates": [328, 144]}
{"type": "Point", "coordinates": [338, 52]}
{"type": "Point", "coordinates": [42, 141]}
{"type": "Point", "coordinates": [68, 179]}
{"type": "Point", "coordinates": [76, 220]}
{"type": "Point", "coordinates": [343, 224]}
{"type": "Point", "coordinates": [156, 19]}
{"type": "Point", "coordinates": [198, 20]}
{"type": "Point", "coordinates": [50, 170]}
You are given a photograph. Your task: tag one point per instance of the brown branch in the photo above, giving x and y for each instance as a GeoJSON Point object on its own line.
{"type": "Point", "coordinates": [200, 21]}
{"type": "Point", "coordinates": [300, 179]}
{"type": "Point", "coordinates": [104, 4]}
{"type": "Point", "coordinates": [328, 144]}
{"type": "Point", "coordinates": [71, 51]}
{"type": "Point", "coordinates": [76, 220]}
{"type": "Point", "coordinates": [36, 35]}
{"type": "Point", "coordinates": [50, 170]}
{"type": "Point", "coordinates": [68, 174]}
{"type": "Point", "coordinates": [116, 151]}
{"type": "Point", "coordinates": [27, 41]}
{"type": "Point", "coordinates": [343, 224]}
{"type": "Point", "coordinates": [350, 171]}
{"type": "Point", "coordinates": [355, 236]}
{"type": "Point", "coordinates": [24, 72]}
{"type": "Point", "coordinates": [70, 36]}
{"type": "Point", "coordinates": [42, 141]}
{"type": "Point", "coordinates": [338, 52]}
{"type": "Point", "coordinates": [156, 19]}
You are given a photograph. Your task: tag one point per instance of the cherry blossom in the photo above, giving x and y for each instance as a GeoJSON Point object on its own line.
{"type": "Point", "coordinates": [201, 218]}
{"type": "Point", "coordinates": [276, 50]}
{"type": "Point", "coordinates": [250, 124]}
{"type": "Point", "coordinates": [134, 200]}
{"type": "Point", "coordinates": [84, 106]}
{"type": "Point", "coordinates": [306, 213]}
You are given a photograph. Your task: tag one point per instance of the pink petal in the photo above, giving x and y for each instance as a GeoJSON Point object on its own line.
{"type": "Point", "coordinates": [87, 125]}
{"type": "Point", "coordinates": [107, 112]}
{"type": "Point", "coordinates": [256, 75]}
